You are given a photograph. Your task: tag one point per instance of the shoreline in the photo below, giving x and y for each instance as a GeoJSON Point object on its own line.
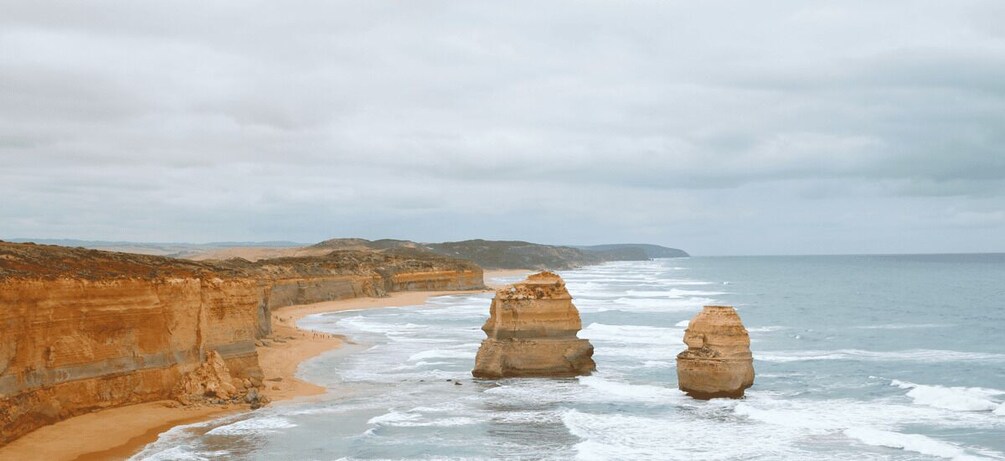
{"type": "Point", "coordinates": [120, 432]}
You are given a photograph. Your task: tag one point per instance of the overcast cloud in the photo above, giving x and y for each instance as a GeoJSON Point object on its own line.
{"type": "Point", "coordinates": [718, 127]}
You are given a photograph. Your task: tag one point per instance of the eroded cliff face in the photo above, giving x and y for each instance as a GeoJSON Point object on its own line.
{"type": "Point", "coordinates": [532, 332]}
{"type": "Point", "coordinates": [73, 346]}
{"type": "Point", "coordinates": [82, 330]}
{"type": "Point", "coordinates": [466, 278]}
{"type": "Point", "coordinates": [717, 362]}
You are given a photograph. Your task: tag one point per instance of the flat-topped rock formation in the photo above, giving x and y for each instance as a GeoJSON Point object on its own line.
{"type": "Point", "coordinates": [717, 362]}
{"type": "Point", "coordinates": [532, 332]}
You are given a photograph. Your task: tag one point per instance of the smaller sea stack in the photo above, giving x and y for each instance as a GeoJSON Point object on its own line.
{"type": "Point", "coordinates": [717, 362]}
{"type": "Point", "coordinates": [532, 332]}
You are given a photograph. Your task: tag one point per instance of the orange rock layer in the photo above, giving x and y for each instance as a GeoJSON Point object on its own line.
{"type": "Point", "coordinates": [717, 362]}
{"type": "Point", "coordinates": [532, 331]}
{"type": "Point", "coordinates": [83, 330]}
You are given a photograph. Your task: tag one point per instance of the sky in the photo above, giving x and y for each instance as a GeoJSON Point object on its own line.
{"type": "Point", "coordinates": [782, 127]}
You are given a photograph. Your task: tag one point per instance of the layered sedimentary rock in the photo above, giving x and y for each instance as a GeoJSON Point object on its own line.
{"type": "Point", "coordinates": [717, 362]}
{"type": "Point", "coordinates": [532, 331]}
{"type": "Point", "coordinates": [82, 330]}
{"type": "Point", "coordinates": [70, 346]}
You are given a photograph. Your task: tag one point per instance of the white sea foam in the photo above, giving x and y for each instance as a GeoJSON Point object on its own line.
{"type": "Point", "coordinates": [659, 305]}
{"type": "Point", "coordinates": [254, 426]}
{"type": "Point", "coordinates": [178, 453]}
{"type": "Point", "coordinates": [440, 422]}
{"type": "Point", "coordinates": [672, 293]}
{"type": "Point", "coordinates": [525, 417]}
{"type": "Point", "coordinates": [600, 282]}
{"type": "Point", "coordinates": [419, 340]}
{"type": "Point", "coordinates": [912, 355]}
{"type": "Point", "coordinates": [625, 391]}
{"type": "Point", "coordinates": [445, 407]}
{"type": "Point", "coordinates": [411, 419]}
{"type": "Point", "coordinates": [631, 334]}
{"type": "Point", "coordinates": [616, 437]}
{"type": "Point", "coordinates": [951, 398]}
{"type": "Point", "coordinates": [363, 324]}
{"type": "Point", "coordinates": [789, 417]}
{"type": "Point", "coordinates": [633, 356]}
{"type": "Point", "coordinates": [170, 446]}
{"type": "Point", "coordinates": [431, 364]}
{"type": "Point", "coordinates": [524, 393]}
{"type": "Point", "coordinates": [341, 407]}
{"type": "Point", "coordinates": [911, 442]}
{"type": "Point", "coordinates": [392, 417]}
{"type": "Point", "coordinates": [815, 416]}
{"type": "Point", "coordinates": [669, 436]}
{"type": "Point", "coordinates": [681, 282]}
{"type": "Point", "coordinates": [442, 354]}
{"type": "Point", "coordinates": [363, 373]}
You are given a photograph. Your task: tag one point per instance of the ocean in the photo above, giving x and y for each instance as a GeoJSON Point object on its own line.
{"type": "Point", "coordinates": [856, 357]}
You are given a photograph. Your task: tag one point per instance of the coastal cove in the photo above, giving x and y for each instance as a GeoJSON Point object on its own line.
{"type": "Point", "coordinates": [118, 433]}
{"type": "Point", "coordinates": [883, 376]}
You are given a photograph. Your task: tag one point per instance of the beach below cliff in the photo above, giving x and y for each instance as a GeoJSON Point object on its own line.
{"type": "Point", "coordinates": [118, 433]}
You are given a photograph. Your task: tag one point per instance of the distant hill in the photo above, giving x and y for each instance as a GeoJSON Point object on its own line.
{"type": "Point", "coordinates": [490, 254]}
{"type": "Point", "coordinates": [649, 250]}
{"type": "Point", "coordinates": [358, 243]}
{"type": "Point", "coordinates": [514, 254]}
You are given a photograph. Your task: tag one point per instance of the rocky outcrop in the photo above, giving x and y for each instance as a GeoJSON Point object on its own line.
{"type": "Point", "coordinates": [212, 379]}
{"type": "Point", "coordinates": [717, 362]}
{"type": "Point", "coordinates": [82, 330]}
{"type": "Point", "coordinates": [532, 331]}
{"type": "Point", "coordinates": [212, 382]}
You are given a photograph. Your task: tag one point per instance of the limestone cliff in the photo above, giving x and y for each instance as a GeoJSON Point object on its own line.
{"type": "Point", "coordinates": [717, 362]}
{"type": "Point", "coordinates": [69, 346]}
{"type": "Point", "coordinates": [82, 330]}
{"type": "Point", "coordinates": [532, 331]}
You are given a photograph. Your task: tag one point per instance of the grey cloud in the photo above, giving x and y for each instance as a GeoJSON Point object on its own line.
{"type": "Point", "coordinates": [724, 127]}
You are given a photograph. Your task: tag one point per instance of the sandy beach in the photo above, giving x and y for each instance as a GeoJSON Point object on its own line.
{"type": "Point", "coordinates": [118, 433]}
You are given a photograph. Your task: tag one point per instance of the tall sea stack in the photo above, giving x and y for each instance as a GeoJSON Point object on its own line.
{"type": "Point", "coordinates": [532, 332]}
{"type": "Point", "coordinates": [717, 362]}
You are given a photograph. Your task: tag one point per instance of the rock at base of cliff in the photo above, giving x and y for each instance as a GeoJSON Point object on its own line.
{"type": "Point", "coordinates": [212, 382]}
{"type": "Point", "coordinates": [717, 362]}
{"type": "Point", "coordinates": [506, 358]}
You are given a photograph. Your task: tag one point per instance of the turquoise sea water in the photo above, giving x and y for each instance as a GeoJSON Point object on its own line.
{"type": "Point", "coordinates": [857, 357]}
